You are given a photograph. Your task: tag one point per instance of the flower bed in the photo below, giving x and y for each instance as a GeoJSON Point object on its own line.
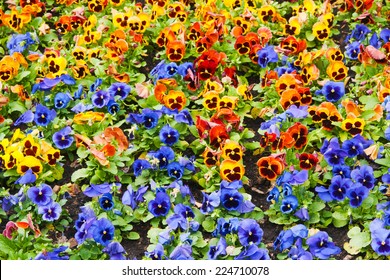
{"type": "Point", "coordinates": [194, 129]}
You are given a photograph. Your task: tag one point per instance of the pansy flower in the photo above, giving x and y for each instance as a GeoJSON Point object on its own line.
{"type": "Point", "coordinates": [231, 170]}
{"type": "Point", "coordinates": [106, 202]}
{"type": "Point", "coordinates": [43, 115]}
{"type": "Point", "coordinates": [307, 161]}
{"type": "Point", "coordinates": [209, 202]}
{"type": "Point", "coordinates": [100, 98]}
{"type": "Point", "coordinates": [218, 134]}
{"type": "Point", "coordinates": [210, 157]}
{"type": "Point", "coordinates": [353, 125]}
{"type": "Point", "coordinates": [270, 167]}
{"type": "Point", "coordinates": [29, 162]}
{"type": "Point", "coordinates": [115, 250]}
{"type": "Point", "coordinates": [364, 175]}
{"type": "Point", "coordinates": [30, 147]}
{"type": "Point", "coordinates": [175, 170]}
{"type": "Point", "coordinates": [232, 150]}
{"type": "Point", "coordinates": [160, 205]}
{"type": "Point", "coordinates": [139, 165]}
{"type": "Point", "coordinates": [168, 135]}
{"type": "Point", "coordinates": [333, 91]}
{"type": "Point", "coordinates": [339, 187]}
{"type": "Point", "coordinates": [103, 231]}
{"type": "Point", "coordinates": [299, 132]}
{"type": "Point", "coordinates": [40, 195]}
{"type": "Point", "coordinates": [289, 204]}
{"type": "Point", "coordinates": [50, 212]}
{"type": "Point", "coordinates": [175, 100]}
{"type": "Point", "coordinates": [267, 55]}
{"type": "Point", "coordinates": [321, 247]}
{"type": "Point", "coordinates": [63, 139]}
{"type": "Point", "coordinates": [352, 50]}
{"type": "Point", "coordinates": [249, 232]}
{"type": "Point", "coordinates": [357, 194]}
{"type": "Point", "coordinates": [337, 71]}
{"type": "Point", "coordinates": [321, 31]}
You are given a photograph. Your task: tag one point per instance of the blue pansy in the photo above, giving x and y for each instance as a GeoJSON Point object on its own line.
{"type": "Point", "coordinates": [63, 138]}
{"type": "Point", "coordinates": [43, 115]}
{"type": "Point", "coordinates": [289, 204]}
{"type": "Point", "coordinates": [267, 55]}
{"type": "Point", "coordinates": [103, 231]}
{"type": "Point", "coordinates": [112, 107]}
{"type": "Point", "coordinates": [184, 117]}
{"type": "Point", "coordinates": [342, 170]}
{"type": "Point", "coordinates": [40, 195]}
{"type": "Point", "coordinates": [115, 250]}
{"type": "Point", "coordinates": [333, 91]}
{"type": "Point", "coordinates": [252, 252]}
{"type": "Point", "coordinates": [217, 250]}
{"type": "Point", "coordinates": [98, 189]}
{"type": "Point", "coordinates": [321, 247]}
{"type": "Point", "coordinates": [175, 170]}
{"type": "Point", "coordinates": [132, 198]}
{"type": "Point", "coordinates": [157, 253]}
{"type": "Point", "coordinates": [61, 100]}
{"type": "Point", "coordinates": [19, 42]}
{"type": "Point", "coordinates": [139, 165]}
{"type": "Point", "coordinates": [26, 117]}
{"type": "Point", "coordinates": [160, 205]}
{"type": "Point", "coordinates": [231, 199]}
{"type": "Point", "coordinates": [119, 89]}
{"type": "Point", "coordinates": [385, 35]}
{"type": "Point", "coordinates": [106, 202]}
{"type": "Point", "coordinates": [352, 50]}
{"type": "Point", "coordinates": [55, 254]}
{"type": "Point", "coordinates": [168, 135]}
{"type": "Point", "coordinates": [360, 32]}
{"type": "Point", "coordinates": [182, 252]}
{"type": "Point", "coordinates": [210, 201]}
{"type": "Point", "coordinates": [50, 212]}
{"type": "Point", "coordinates": [339, 187]}
{"type": "Point", "coordinates": [100, 98]}
{"type": "Point", "coordinates": [357, 194]}
{"type": "Point", "coordinates": [249, 232]}
{"type": "Point", "coordinates": [364, 175]}
{"type": "Point", "coordinates": [273, 195]}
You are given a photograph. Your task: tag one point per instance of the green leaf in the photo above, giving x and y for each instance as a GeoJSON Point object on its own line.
{"type": "Point", "coordinates": [252, 145]}
{"type": "Point", "coordinates": [80, 173]}
{"type": "Point", "coordinates": [85, 254]}
{"type": "Point", "coordinates": [6, 245]}
{"type": "Point", "coordinates": [133, 235]}
{"type": "Point", "coordinates": [383, 161]}
{"type": "Point", "coordinates": [309, 36]}
{"type": "Point", "coordinates": [316, 206]}
{"type": "Point", "coordinates": [208, 224]}
{"type": "Point", "coordinates": [340, 219]}
{"type": "Point", "coordinates": [82, 152]}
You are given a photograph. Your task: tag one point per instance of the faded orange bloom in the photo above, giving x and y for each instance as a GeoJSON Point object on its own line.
{"type": "Point", "coordinates": [351, 108]}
